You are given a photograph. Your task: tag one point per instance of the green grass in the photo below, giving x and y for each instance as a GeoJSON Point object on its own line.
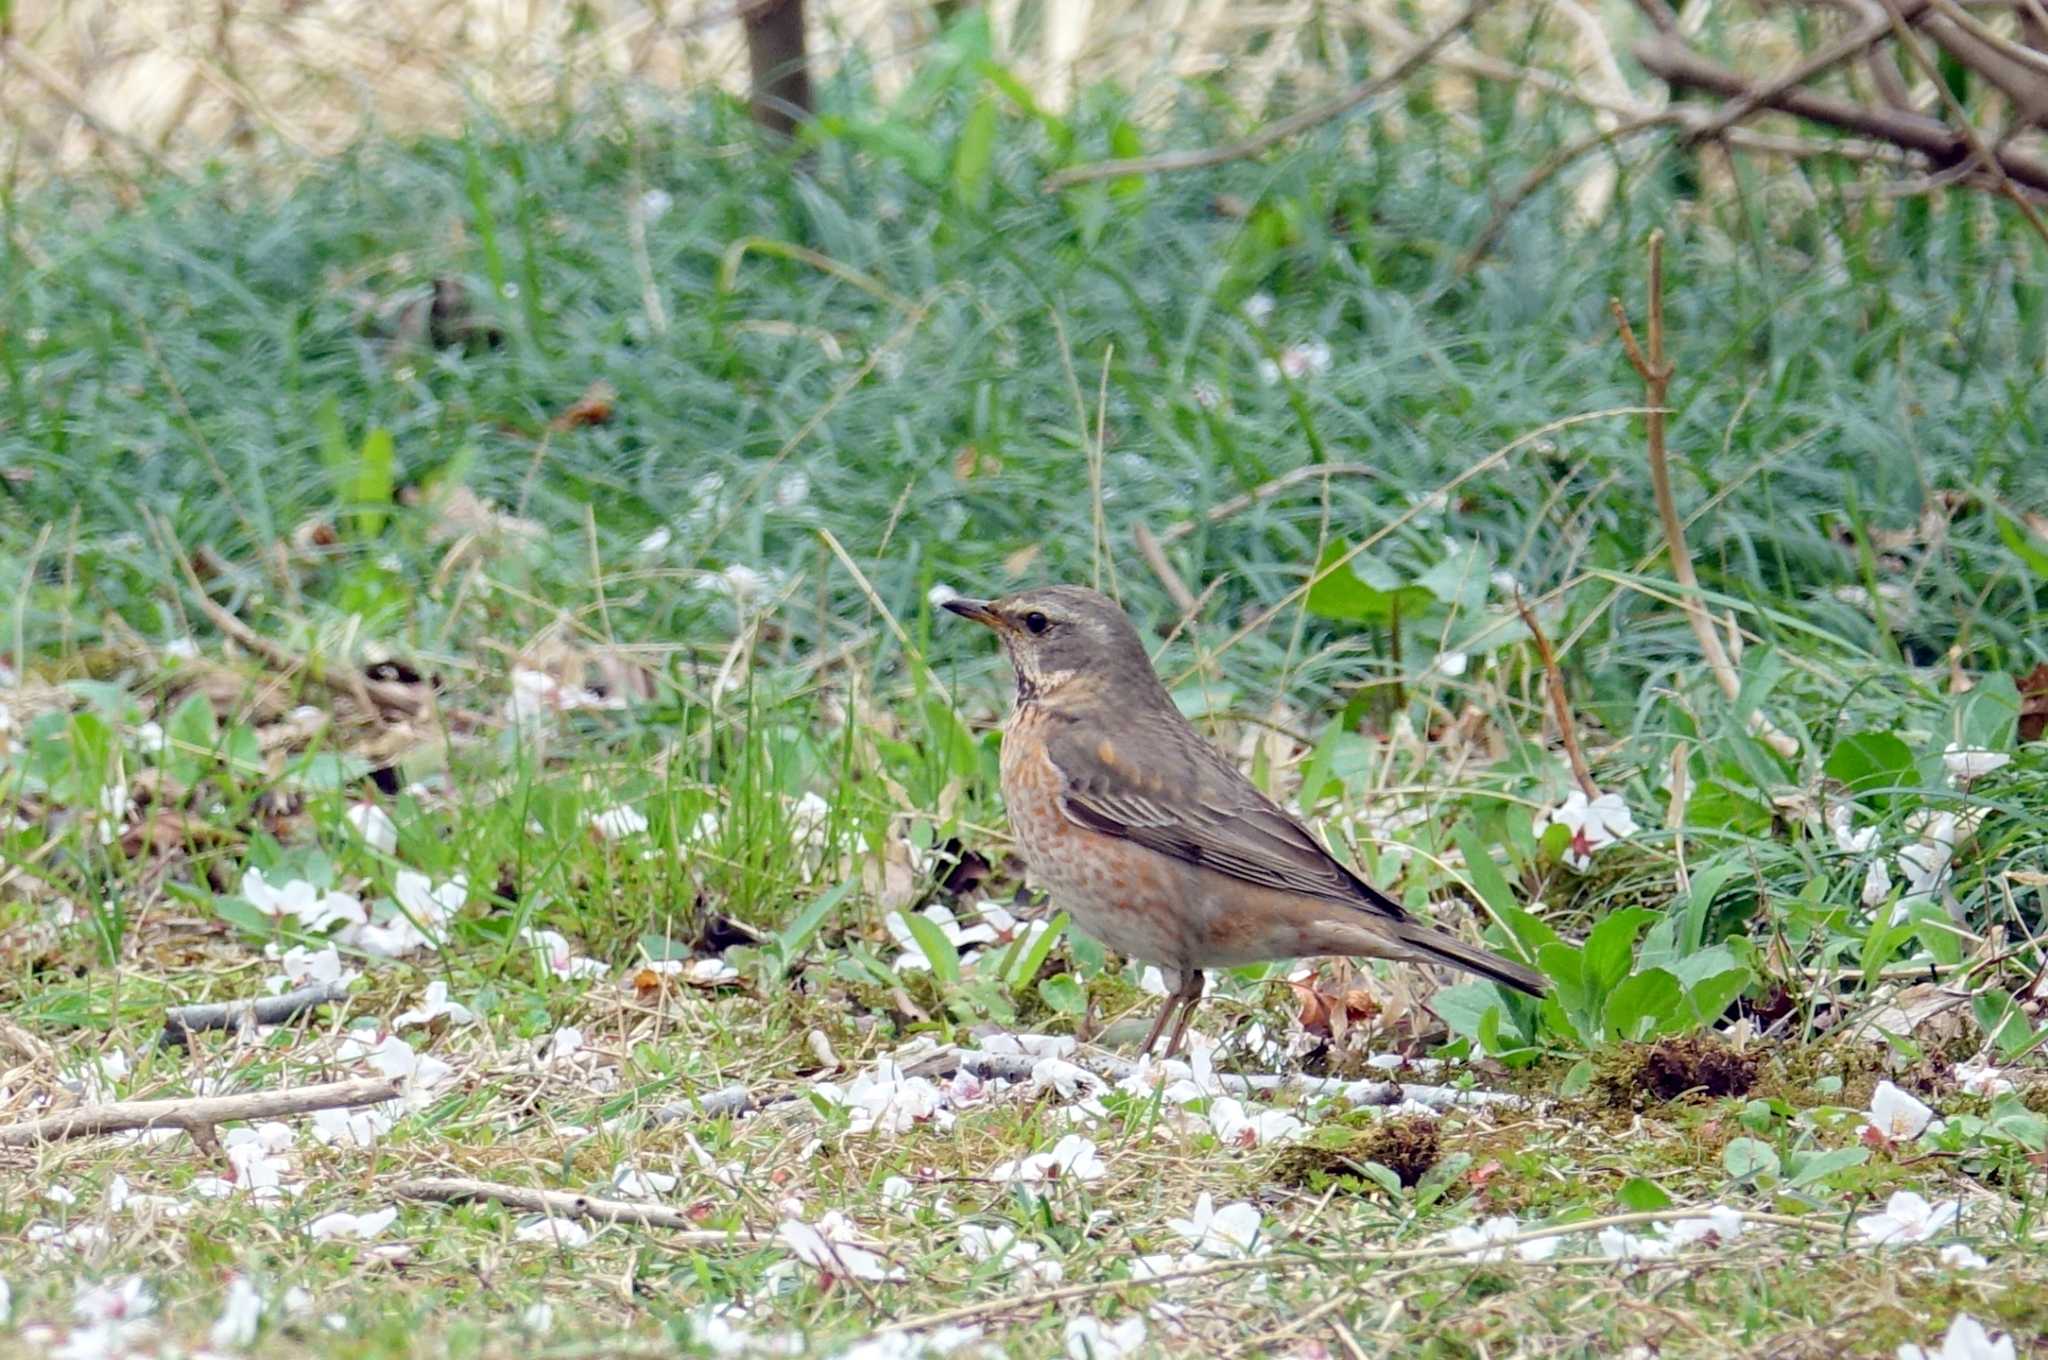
{"type": "Point", "coordinates": [227, 373]}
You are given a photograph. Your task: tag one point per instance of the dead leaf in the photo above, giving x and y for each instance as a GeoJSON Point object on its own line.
{"type": "Point", "coordinates": [2033, 701]}
{"type": "Point", "coordinates": [970, 462]}
{"type": "Point", "coordinates": [594, 407]}
{"type": "Point", "coordinates": [1019, 562]}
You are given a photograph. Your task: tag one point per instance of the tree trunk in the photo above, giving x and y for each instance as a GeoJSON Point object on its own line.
{"type": "Point", "coordinates": [782, 80]}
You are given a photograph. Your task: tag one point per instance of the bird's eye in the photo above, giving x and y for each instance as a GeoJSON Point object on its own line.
{"type": "Point", "coordinates": [1036, 623]}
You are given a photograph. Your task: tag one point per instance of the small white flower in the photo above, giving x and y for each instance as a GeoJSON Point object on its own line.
{"type": "Point", "coordinates": [1956, 1256]}
{"type": "Point", "coordinates": [148, 738]}
{"type": "Point", "coordinates": [360, 1226]}
{"type": "Point", "coordinates": [940, 595]}
{"type": "Point", "coordinates": [1926, 863]}
{"type": "Point", "coordinates": [1485, 1239]}
{"type": "Point", "coordinates": [115, 805]}
{"type": "Point", "coordinates": [434, 1006]}
{"type": "Point", "coordinates": [1090, 1338]}
{"type": "Point", "coordinates": [1064, 1079]}
{"type": "Point", "coordinates": [562, 1232]}
{"type": "Point", "coordinates": [124, 1300]}
{"type": "Point", "coordinates": [374, 825]}
{"type": "Point", "coordinates": [1310, 358]}
{"type": "Point", "coordinates": [1231, 1232]}
{"type": "Point", "coordinates": [657, 541]}
{"type": "Point", "coordinates": [392, 1056]}
{"type": "Point", "coordinates": [1971, 762]}
{"type": "Point", "coordinates": [829, 1248]}
{"type": "Point", "coordinates": [181, 649]}
{"type": "Point", "coordinates": [240, 1315]}
{"type": "Point", "coordinates": [617, 823]}
{"type": "Point", "coordinates": [1072, 1158]}
{"type": "Point", "coordinates": [885, 1098]}
{"type": "Point", "coordinates": [652, 206]}
{"type": "Point", "coordinates": [897, 1192]}
{"type": "Point", "coordinates": [1002, 1246]}
{"type": "Point", "coordinates": [1907, 1217]}
{"type": "Point", "coordinates": [1205, 394]}
{"type": "Point", "coordinates": [793, 490]}
{"type": "Point", "coordinates": [1450, 664]}
{"type": "Point", "coordinates": [1982, 1079]}
{"type": "Point", "coordinates": [354, 1128]}
{"type": "Point", "coordinates": [559, 958]}
{"type": "Point", "coordinates": [1593, 823]}
{"type": "Point", "coordinates": [564, 1044]}
{"type": "Point", "coordinates": [1239, 1125]}
{"type": "Point", "coordinates": [1898, 1117]}
{"type": "Point", "coordinates": [1966, 1340]}
{"type": "Point", "coordinates": [538, 1317]}
{"type": "Point", "coordinates": [1258, 308]}
{"type": "Point", "coordinates": [426, 902]}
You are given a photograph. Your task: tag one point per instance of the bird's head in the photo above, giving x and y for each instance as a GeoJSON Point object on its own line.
{"type": "Point", "coordinates": [1059, 637]}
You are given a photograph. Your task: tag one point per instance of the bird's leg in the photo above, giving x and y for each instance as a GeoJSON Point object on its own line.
{"type": "Point", "coordinates": [1189, 996]}
{"type": "Point", "coordinates": [1159, 1025]}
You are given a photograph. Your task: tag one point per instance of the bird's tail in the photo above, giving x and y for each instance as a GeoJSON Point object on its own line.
{"type": "Point", "coordinates": [1431, 945]}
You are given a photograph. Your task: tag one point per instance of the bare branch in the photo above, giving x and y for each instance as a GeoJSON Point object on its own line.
{"type": "Point", "coordinates": [182, 1022]}
{"type": "Point", "coordinates": [568, 1204]}
{"type": "Point", "coordinates": [198, 1115]}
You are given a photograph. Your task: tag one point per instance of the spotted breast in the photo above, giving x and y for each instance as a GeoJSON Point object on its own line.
{"type": "Point", "coordinates": [1121, 894]}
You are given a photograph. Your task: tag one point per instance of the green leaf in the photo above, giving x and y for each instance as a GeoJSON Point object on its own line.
{"type": "Point", "coordinates": [938, 951]}
{"type": "Point", "coordinates": [1383, 1176]}
{"type": "Point", "coordinates": [1717, 805]}
{"type": "Point", "coordinates": [1463, 1007]}
{"type": "Point", "coordinates": [1362, 590]}
{"type": "Point", "coordinates": [974, 157]}
{"type": "Point", "coordinates": [1027, 963]}
{"type": "Point", "coordinates": [797, 934]}
{"type": "Point", "coordinates": [660, 948]}
{"type": "Point", "coordinates": [1869, 761]}
{"type": "Point", "coordinates": [2024, 545]}
{"type": "Point", "coordinates": [243, 916]}
{"type": "Point", "coordinates": [1644, 1005]}
{"type": "Point", "coordinates": [1707, 1000]}
{"type": "Point", "coordinates": [2002, 1022]}
{"type": "Point", "coordinates": [1578, 1079]}
{"type": "Point", "coordinates": [1461, 579]}
{"type": "Point", "coordinates": [1126, 143]}
{"type": "Point", "coordinates": [1610, 949]}
{"type": "Point", "coordinates": [1983, 719]}
{"type": "Point", "coordinates": [1811, 1168]}
{"type": "Point", "coordinates": [370, 488]}
{"type": "Point", "coordinates": [1748, 1159]}
{"type": "Point", "coordinates": [1063, 992]}
{"type": "Point", "coordinates": [1640, 1195]}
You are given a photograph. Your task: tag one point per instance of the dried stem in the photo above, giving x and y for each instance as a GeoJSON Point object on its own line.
{"type": "Point", "coordinates": [1655, 371]}
{"type": "Point", "coordinates": [568, 1204]}
{"type": "Point", "coordinates": [1560, 702]}
{"type": "Point", "coordinates": [198, 1115]}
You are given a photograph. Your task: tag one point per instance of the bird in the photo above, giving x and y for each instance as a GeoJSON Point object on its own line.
{"type": "Point", "coordinates": [1151, 840]}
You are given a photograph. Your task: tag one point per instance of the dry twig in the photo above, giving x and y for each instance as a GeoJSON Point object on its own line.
{"type": "Point", "coordinates": [568, 1204]}
{"type": "Point", "coordinates": [1655, 371]}
{"type": "Point", "coordinates": [182, 1022]}
{"type": "Point", "coordinates": [198, 1115]}
{"type": "Point", "coordinates": [1560, 702]}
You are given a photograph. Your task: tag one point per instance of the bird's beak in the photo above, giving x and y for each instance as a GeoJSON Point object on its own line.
{"type": "Point", "coordinates": [981, 611]}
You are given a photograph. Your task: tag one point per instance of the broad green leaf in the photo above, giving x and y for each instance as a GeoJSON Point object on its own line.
{"type": "Point", "coordinates": [1577, 1080]}
{"type": "Point", "coordinates": [1461, 579]}
{"type": "Point", "coordinates": [1064, 993]}
{"type": "Point", "coordinates": [371, 487]}
{"type": "Point", "coordinates": [1610, 949]}
{"type": "Point", "coordinates": [1747, 1159]}
{"type": "Point", "coordinates": [1362, 590]}
{"type": "Point", "coordinates": [2024, 545]}
{"type": "Point", "coordinates": [1644, 1005]}
{"type": "Point", "coordinates": [1707, 1000]}
{"type": "Point", "coordinates": [974, 157]}
{"type": "Point", "coordinates": [1641, 1195]}
{"type": "Point", "coordinates": [2002, 1022]}
{"type": "Point", "coordinates": [1984, 717]}
{"type": "Point", "coordinates": [1811, 1168]}
{"type": "Point", "coordinates": [1464, 1005]}
{"type": "Point", "coordinates": [1032, 957]}
{"type": "Point", "coordinates": [1869, 761]}
{"type": "Point", "coordinates": [938, 951]}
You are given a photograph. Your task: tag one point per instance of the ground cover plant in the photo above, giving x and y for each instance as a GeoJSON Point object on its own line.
{"type": "Point", "coordinates": [493, 581]}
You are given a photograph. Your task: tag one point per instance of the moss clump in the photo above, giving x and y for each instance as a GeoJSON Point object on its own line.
{"type": "Point", "coordinates": [1671, 1068]}
{"type": "Point", "coordinates": [1337, 1153]}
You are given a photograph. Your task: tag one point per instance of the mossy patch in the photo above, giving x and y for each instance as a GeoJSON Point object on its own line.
{"type": "Point", "coordinates": [1338, 1153]}
{"type": "Point", "coordinates": [1672, 1068]}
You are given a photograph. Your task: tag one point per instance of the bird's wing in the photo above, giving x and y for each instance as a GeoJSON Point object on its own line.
{"type": "Point", "coordinates": [1157, 783]}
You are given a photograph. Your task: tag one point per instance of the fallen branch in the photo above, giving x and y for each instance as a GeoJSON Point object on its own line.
{"type": "Point", "coordinates": [725, 1102]}
{"type": "Point", "coordinates": [198, 1115]}
{"type": "Point", "coordinates": [1748, 102]}
{"type": "Point", "coordinates": [568, 1204]}
{"type": "Point", "coordinates": [1280, 131]}
{"type": "Point", "coordinates": [1655, 371]}
{"type": "Point", "coordinates": [182, 1022]}
{"type": "Point", "coordinates": [1154, 554]}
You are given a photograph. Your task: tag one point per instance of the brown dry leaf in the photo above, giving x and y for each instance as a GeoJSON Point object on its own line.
{"type": "Point", "coordinates": [594, 407]}
{"type": "Point", "coordinates": [459, 512]}
{"type": "Point", "coordinates": [970, 462]}
{"type": "Point", "coordinates": [2033, 701]}
{"type": "Point", "coordinates": [1019, 562]}
{"type": "Point", "coordinates": [1926, 1012]}
{"type": "Point", "coordinates": [889, 878]}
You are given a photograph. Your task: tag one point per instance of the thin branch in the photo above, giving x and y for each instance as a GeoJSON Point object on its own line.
{"type": "Point", "coordinates": [1154, 554]}
{"type": "Point", "coordinates": [1655, 371]}
{"type": "Point", "coordinates": [568, 1204]}
{"type": "Point", "coordinates": [1992, 161]}
{"type": "Point", "coordinates": [1560, 702]}
{"type": "Point", "coordinates": [182, 1022]}
{"type": "Point", "coordinates": [1551, 167]}
{"type": "Point", "coordinates": [1277, 132]}
{"type": "Point", "coordinates": [1829, 57]}
{"type": "Point", "coordinates": [198, 1115]}
{"type": "Point", "coordinates": [1679, 65]}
